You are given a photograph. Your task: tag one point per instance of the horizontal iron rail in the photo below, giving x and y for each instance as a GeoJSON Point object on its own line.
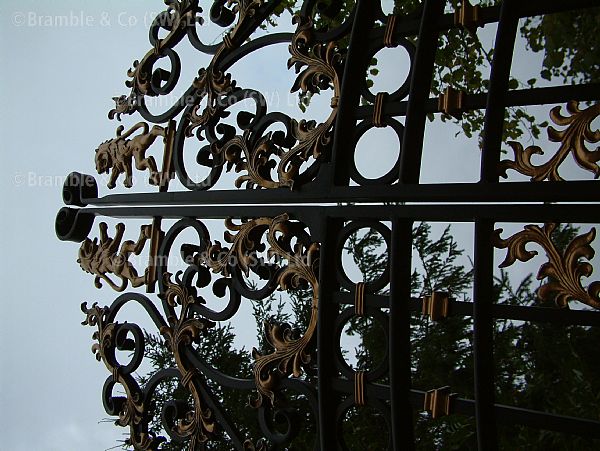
{"type": "Point", "coordinates": [572, 213]}
{"type": "Point", "coordinates": [561, 316]}
{"type": "Point", "coordinates": [504, 414]}
{"type": "Point", "coordinates": [517, 97]}
{"type": "Point", "coordinates": [490, 14]}
{"type": "Point", "coordinates": [575, 191]}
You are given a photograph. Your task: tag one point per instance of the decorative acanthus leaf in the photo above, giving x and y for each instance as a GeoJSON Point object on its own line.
{"type": "Point", "coordinates": [573, 141]}
{"type": "Point", "coordinates": [563, 271]}
{"type": "Point", "coordinates": [288, 242]}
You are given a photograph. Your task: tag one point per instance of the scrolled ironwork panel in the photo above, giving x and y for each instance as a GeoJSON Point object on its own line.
{"type": "Point", "coordinates": [305, 197]}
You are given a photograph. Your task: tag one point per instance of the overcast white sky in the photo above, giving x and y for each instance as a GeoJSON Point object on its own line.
{"type": "Point", "coordinates": [56, 86]}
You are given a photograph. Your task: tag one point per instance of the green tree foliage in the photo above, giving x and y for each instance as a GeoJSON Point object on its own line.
{"type": "Point", "coordinates": [569, 43]}
{"type": "Point", "coordinates": [571, 54]}
{"type": "Point", "coordinates": [217, 350]}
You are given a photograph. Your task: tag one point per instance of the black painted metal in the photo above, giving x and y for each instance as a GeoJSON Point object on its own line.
{"type": "Point", "coordinates": [327, 183]}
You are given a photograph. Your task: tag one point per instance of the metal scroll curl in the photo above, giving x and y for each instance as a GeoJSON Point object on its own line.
{"type": "Point", "coordinates": [288, 241]}
{"type": "Point", "coordinates": [296, 259]}
{"type": "Point", "coordinates": [180, 334]}
{"type": "Point", "coordinates": [179, 18]}
{"type": "Point", "coordinates": [265, 159]}
{"type": "Point", "coordinates": [563, 271]}
{"type": "Point", "coordinates": [572, 140]}
{"type": "Point", "coordinates": [256, 152]}
{"type": "Point", "coordinates": [137, 408]}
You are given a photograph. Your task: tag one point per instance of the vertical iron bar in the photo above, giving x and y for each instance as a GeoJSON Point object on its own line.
{"type": "Point", "coordinates": [420, 84]}
{"type": "Point", "coordinates": [484, 255]}
{"type": "Point", "coordinates": [325, 336]}
{"type": "Point", "coordinates": [399, 339]}
{"type": "Point", "coordinates": [483, 336]}
{"type": "Point", "coordinates": [499, 78]}
{"type": "Point", "coordinates": [353, 78]}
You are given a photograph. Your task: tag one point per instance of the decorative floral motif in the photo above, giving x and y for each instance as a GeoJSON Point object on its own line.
{"type": "Point", "coordinates": [255, 160]}
{"type": "Point", "coordinates": [213, 83]}
{"type": "Point", "coordinates": [198, 424]}
{"type": "Point", "coordinates": [572, 140]}
{"type": "Point", "coordinates": [291, 352]}
{"type": "Point", "coordinates": [322, 65]}
{"type": "Point", "coordinates": [563, 271]}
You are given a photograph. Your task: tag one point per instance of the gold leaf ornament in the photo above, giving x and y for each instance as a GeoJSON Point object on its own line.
{"type": "Point", "coordinates": [199, 423]}
{"type": "Point", "coordinates": [563, 271]}
{"type": "Point", "coordinates": [573, 141]}
{"type": "Point", "coordinates": [292, 348]}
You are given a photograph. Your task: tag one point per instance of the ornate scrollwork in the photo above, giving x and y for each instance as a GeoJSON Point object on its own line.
{"type": "Point", "coordinates": [198, 424]}
{"type": "Point", "coordinates": [144, 80]}
{"type": "Point", "coordinates": [318, 66]}
{"type": "Point", "coordinates": [137, 409]}
{"type": "Point", "coordinates": [323, 64]}
{"type": "Point", "coordinates": [211, 82]}
{"type": "Point", "coordinates": [563, 270]}
{"type": "Point", "coordinates": [132, 410]}
{"type": "Point", "coordinates": [573, 138]}
{"type": "Point", "coordinates": [117, 155]}
{"type": "Point", "coordinates": [292, 352]}
{"type": "Point", "coordinates": [265, 159]}
{"type": "Point", "coordinates": [105, 257]}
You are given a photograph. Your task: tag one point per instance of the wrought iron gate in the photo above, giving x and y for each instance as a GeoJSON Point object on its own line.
{"type": "Point", "coordinates": [310, 197]}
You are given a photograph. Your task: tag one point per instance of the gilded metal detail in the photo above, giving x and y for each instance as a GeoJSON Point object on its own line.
{"type": "Point", "coordinates": [198, 424]}
{"type": "Point", "coordinates": [467, 16]}
{"type": "Point", "coordinates": [359, 299]}
{"type": "Point", "coordinates": [117, 155]}
{"type": "Point", "coordinates": [436, 306]}
{"type": "Point", "coordinates": [438, 402]}
{"type": "Point", "coordinates": [323, 66]}
{"type": "Point", "coordinates": [291, 353]}
{"type": "Point", "coordinates": [211, 82]}
{"type": "Point", "coordinates": [105, 257]}
{"type": "Point", "coordinates": [180, 15]}
{"type": "Point", "coordinates": [563, 270]}
{"type": "Point", "coordinates": [573, 141]}
{"type": "Point", "coordinates": [390, 28]}
{"type": "Point", "coordinates": [452, 102]}
{"type": "Point", "coordinates": [264, 160]}
{"type": "Point", "coordinates": [132, 409]}
{"type": "Point", "coordinates": [378, 109]}
{"type": "Point", "coordinates": [156, 235]}
{"type": "Point", "coordinates": [167, 170]}
{"type": "Point", "coordinates": [359, 388]}
{"type": "Point", "coordinates": [319, 67]}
